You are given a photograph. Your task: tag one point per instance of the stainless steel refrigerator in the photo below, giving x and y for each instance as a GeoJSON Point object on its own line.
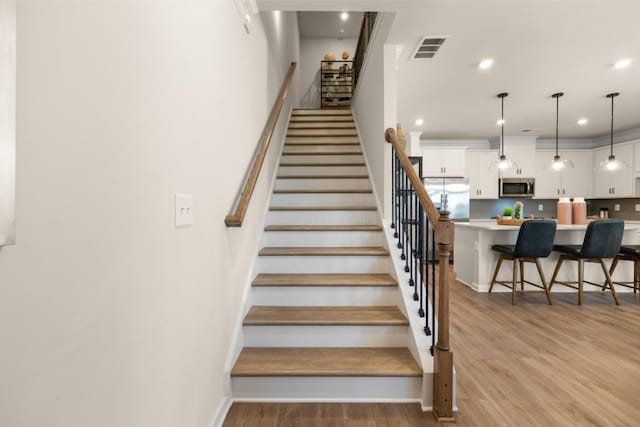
{"type": "Point", "coordinates": [451, 194]}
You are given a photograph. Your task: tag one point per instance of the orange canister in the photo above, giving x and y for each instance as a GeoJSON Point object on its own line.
{"type": "Point", "coordinates": [564, 211]}
{"type": "Point", "coordinates": [579, 211]}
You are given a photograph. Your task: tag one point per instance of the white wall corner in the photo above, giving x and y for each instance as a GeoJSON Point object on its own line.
{"type": "Point", "coordinates": [414, 143]}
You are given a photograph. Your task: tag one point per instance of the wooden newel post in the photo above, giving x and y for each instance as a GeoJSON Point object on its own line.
{"type": "Point", "coordinates": [443, 357]}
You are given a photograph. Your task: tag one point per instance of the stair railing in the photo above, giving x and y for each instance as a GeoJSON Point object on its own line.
{"type": "Point", "coordinates": [241, 203]}
{"type": "Point", "coordinates": [366, 28]}
{"type": "Point", "coordinates": [419, 226]}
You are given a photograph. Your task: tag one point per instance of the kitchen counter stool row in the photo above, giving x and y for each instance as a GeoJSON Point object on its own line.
{"type": "Point", "coordinates": [603, 240]}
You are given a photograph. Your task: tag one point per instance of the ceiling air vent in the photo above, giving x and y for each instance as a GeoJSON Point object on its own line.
{"type": "Point", "coordinates": [428, 47]}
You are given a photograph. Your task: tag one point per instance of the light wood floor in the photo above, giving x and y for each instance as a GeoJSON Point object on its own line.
{"type": "Point", "coordinates": [524, 365]}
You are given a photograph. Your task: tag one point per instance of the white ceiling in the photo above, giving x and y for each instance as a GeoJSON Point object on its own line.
{"type": "Point", "coordinates": [539, 48]}
{"type": "Point", "coordinates": [329, 24]}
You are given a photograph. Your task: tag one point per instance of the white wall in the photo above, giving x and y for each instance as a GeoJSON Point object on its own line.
{"type": "Point", "coordinates": [312, 51]}
{"type": "Point", "coordinates": [375, 108]}
{"type": "Point", "coordinates": [110, 316]}
{"type": "Point", "coordinates": [7, 120]}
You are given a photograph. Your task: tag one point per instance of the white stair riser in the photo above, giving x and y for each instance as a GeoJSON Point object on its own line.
{"type": "Point", "coordinates": [323, 238]}
{"type": "Point", "coordinates": [323, 199]}
{"type": "Point", "coordinates": [322, 119]}
{"type": "Point", "coordinates": [322, 217]}
{"type": "Point", "coordinates": [323, 264]}
{"type": "Point", "coordinates": [320, 148]}
{"type": "Point", "coordinates": [322, 184]}
{"type": "Point", "coordinates": [322, 170]}
{"type": "Point", "coordinates": [327, 388]}
{"type": "Point", "coordinates": [321, 132]}
{"type": "Point", "coordinates": [325, 295]}
{"type": "Point", "coordinates": [325, 336]}
{"type": "Point", "coordinates": [321, 158]}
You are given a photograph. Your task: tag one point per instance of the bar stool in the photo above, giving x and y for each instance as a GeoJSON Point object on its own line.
{"type": "Point", "coordinates": [535, 240]}
{"type": "Point", "coordinates": [628, 253]}
{"type": "Point", "coordinates": [602, 239]}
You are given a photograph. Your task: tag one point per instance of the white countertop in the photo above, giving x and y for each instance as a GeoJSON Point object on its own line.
{"type": "Point", "coordinates": [492, 226]}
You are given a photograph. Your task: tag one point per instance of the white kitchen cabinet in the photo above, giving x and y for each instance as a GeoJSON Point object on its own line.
{"type": "Point", "coordinates": [636, 156]}
{"type": "Point", "coordinates": [572, 182]}
{"type": "Point", "coordinates": [439, 162]}
{"type": "Point", "coordinates": [525, 157]}
{"type": "Point", "coordinates": [612, 184]}
{"type": "Point", "coordinates": [483, 182]}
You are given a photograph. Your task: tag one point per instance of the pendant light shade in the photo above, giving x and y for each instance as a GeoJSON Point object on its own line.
{"type": "Point", "coordinates": [557, 164]}
{"type": "Point", "coordinates": [502, 163]}
{"type": "Point", "coordinates": [612, 164]}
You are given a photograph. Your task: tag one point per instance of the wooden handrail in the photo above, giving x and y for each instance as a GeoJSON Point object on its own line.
{"type": "Point", "coordinates": [236, 217]}
{"type": "Point", "coordinates": [416, 183]}
{"type": "Point", "coordinates": [443, 226]}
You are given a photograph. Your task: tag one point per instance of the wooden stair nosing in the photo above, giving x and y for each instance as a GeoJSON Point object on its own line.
{"type": "Point", "coordinates": [343, 118]}
{"type": "Point", "coordinates": [315, 112]}
{"type": "Point", "coordinates": [326, 361]}
{"type": "Point", "coordinates": [322, 153]}
{"type": "Point", "coordinates": [341, 228]}
{"type": "Point", "coordinates": [327, 191]}
{"type": "Point", "coordinates": [325, 316]}
{"type": "Point", "coordinates": [323, 251]}
{"type": "Point", "coordinates": [329, 280]}
{"type": "Point", "coordinates": [322, 208]}
{"type": "Point", "coordinates": [320, 144]}
{"type": "Point", "coordinates": [322, 177]}
{"type": "Point", "coordinates": [342, 134]}
{"type": "Point", "coordinates": [309, 164]}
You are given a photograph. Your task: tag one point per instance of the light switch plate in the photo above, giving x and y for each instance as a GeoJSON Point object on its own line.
{"type": "Point", "coordinates": [616, 207]}
{"type": "Point", "coordinates": [184, 210]}
{"type": "Point", "coordinates": [637, 207]}
{"type": "Point", "coordinates": [540, 207]}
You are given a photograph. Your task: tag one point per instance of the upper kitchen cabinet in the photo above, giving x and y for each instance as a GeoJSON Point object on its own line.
{"type": "Point", "coordinates": [571, 182]}
{"type": "Point", "coordinates": [636, 156]}
{"type": "Point", "coordinates": [439, 162]}
{"type": "Point", "coordinates": [524, 155]}
{"type": "Point", "coordinates": [483, 181]}
{"type": "Point", "coordinates": [611, 184]}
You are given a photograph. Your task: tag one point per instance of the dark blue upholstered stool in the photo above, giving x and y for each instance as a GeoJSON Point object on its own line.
{"type": "Point", "coordinates": [602, 240]}
{"type": "Point", "coordinates": [535, 240]}
{"type": "Point", "coordinates": [628, 253]}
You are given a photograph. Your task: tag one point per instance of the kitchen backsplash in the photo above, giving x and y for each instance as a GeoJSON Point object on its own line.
{"type": "Point", "coordinates": [482, 209]}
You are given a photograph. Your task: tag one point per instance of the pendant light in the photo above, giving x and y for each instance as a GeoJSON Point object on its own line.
{"type": "Point", "coordinates": [612, 164]}
{"type": "Point", "coordinates": [502, 163]}
{"type": "Point", "coordinates": [557, 164]}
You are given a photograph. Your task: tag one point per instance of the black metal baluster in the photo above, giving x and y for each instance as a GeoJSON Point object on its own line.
{"type": "Point", "coordinates": [407, 265]}
{"type": "Point", "coordinates": [405, 206]}
{"type": "Point", "coordinates": [396, 201]}
{"type": "Point", "coordinates": [393, 189]}
{"type": "Point", "coordinates": [433, 290]}
{"type": "Point", "coordinates": [421, 259]}
{"type": "Point", "coordinates": [401, 225]}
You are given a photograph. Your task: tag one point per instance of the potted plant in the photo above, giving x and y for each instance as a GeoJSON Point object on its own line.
{"type": "Point", "coordinates": [506, 212]}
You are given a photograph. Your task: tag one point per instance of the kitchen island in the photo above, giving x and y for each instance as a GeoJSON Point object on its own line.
{"type": "Point", "coordinates": [475, 261]}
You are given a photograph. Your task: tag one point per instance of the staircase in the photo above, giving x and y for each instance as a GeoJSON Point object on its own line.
{"type": "Point", "coordinates": [324, 322]}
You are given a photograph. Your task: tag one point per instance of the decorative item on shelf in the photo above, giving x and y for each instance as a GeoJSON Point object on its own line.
{"type": "Point", "coordinates": [564, 211]}
{"type": "Point", "coordinates": [604, 213]}
{"type": "Point", "coordinates": [501, 220]}
{"type": "Point", "coordinates": [345, 55]}
{"type": "Point", "coordinates": [402, 137]}
{"type": "Point", "coordinates": [329, 56]}
{"type": "Point", "coordinates": [557, 164]}
{"type": "Point", "coordinates": [518, 210]}
{"type": "Point", "coordinates": [612, 164]}
{"type": "Point", "coordinates": [502, 163]}
{"type": "Point", "coordinates": [579, 211]}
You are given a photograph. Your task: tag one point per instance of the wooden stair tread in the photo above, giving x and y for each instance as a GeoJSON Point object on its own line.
{"type": "Point", "coordinates": [322, 119]}
{"type": "Point", "coordinates": [307, 139]}
{"type": "Point", "coordinates": [330, 315]}
{"type": "Point", "coordinates": [322, 177]}
{"type": "Point", "coordinates": [322, 153]}
{"type": "Point", "coordinates": [322, 208]}
{"type": "Point", "coordinates": [329, 191]}
{"type": "Point", "coordinates": [321, 125]}
{"type": "Point", "coordinates": [264, 279]}
{"type": "Point", "coordinates": [321, 132]}
{"type": "Point", "coordinates": [321, 164]}
{"type": "Point", "coordinates": [320, 144]}
{"type": "Point", "coordinates": [323, 228]}
{"type": "Point", "coordinates": [317, 112]}
{"type": "Point", "coordinates": [326, 361]}
{"type": "Point", "coordinates": [323, 251]}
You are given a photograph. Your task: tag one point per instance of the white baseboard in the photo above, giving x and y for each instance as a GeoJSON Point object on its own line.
{"type": "Point", "coordinates": [221, 412]}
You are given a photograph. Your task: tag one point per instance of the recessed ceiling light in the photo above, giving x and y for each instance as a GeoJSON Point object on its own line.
{"type": "Point", "coordinates": [344, 16]}
{"type": "Point", "coordinates": [485, 64]}
{"type": "Point", "coordinates": [582, 122]}
{"type": "Point", "coordinates": [622, 64]}
{"type": "Point", "coordinates": [500, 122]}
{"type": "Point", "coordinates": [342, 30]}
{"type": "Point", "coordinates": [419, 122]}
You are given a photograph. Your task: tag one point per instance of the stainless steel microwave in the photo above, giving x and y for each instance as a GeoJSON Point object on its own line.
{"type": "Point", "coordinates": [517, 187]}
